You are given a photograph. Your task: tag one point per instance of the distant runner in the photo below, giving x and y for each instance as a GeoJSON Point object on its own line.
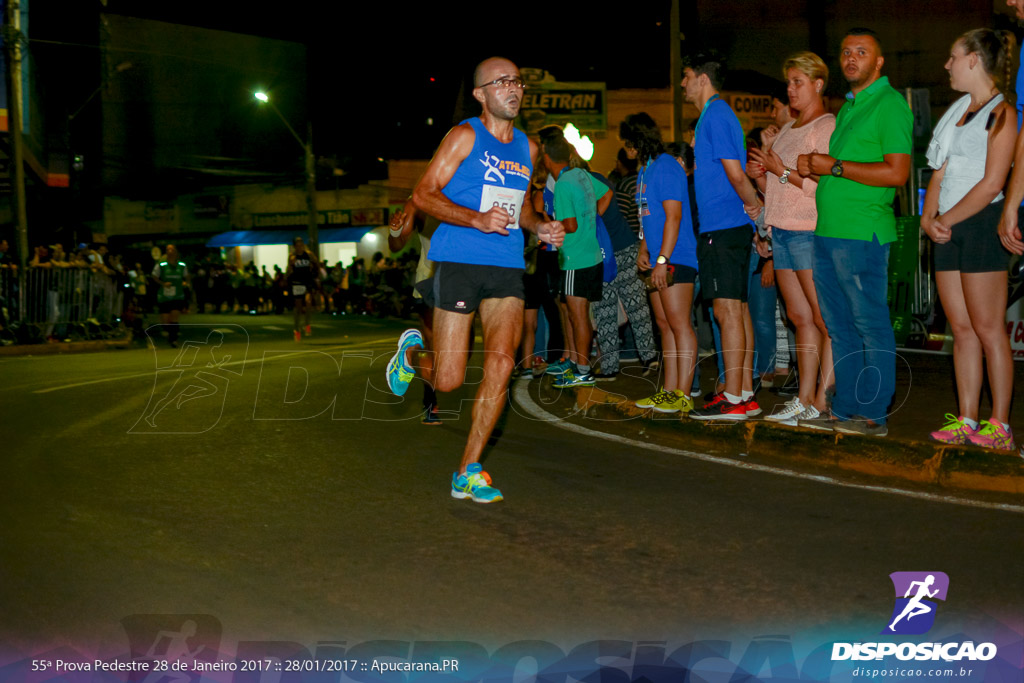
{"type": "Point", "coordinates": [171, 276]}
{"type": "Point", "coordinates": [302, 274]}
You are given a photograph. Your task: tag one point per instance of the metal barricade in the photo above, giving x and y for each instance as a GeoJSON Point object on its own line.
{"type": "Point", "coordinates": [61, 303]}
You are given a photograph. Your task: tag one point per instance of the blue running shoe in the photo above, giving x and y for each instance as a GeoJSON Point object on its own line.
{"type": "Point", "coordinates": [475, 484]}
{"type": "Point", "coordinates": [558, 368]}
{"type": "Point", "coordinates": [574, 378]}
{"type": "Point", "coordinates": [399, 374]}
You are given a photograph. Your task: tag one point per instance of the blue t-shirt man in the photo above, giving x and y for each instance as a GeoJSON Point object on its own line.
{"type": "Point", "coordinates": [660, 181]}
{"type": "Point", "coordinates": [719, 136]}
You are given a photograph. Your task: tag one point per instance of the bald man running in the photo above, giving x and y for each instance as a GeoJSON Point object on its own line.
{"type": "Point", "coordinates": [476, 186]}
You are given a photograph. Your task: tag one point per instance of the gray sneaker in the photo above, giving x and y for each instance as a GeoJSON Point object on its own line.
{"type": "Point", "coordinates": [861, 426]}
{"type": "Point", "coordinates": [808, 413]}
{"type": "Point", "coordinates": [825, 422]}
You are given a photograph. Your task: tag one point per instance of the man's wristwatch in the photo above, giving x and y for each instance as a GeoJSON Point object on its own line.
{"type": "Point", "coordinates": [661, 260]}
{"type": "Point", "coordinates": [837, 168]}
{"type": "Point", "coordinates": [784, 178]}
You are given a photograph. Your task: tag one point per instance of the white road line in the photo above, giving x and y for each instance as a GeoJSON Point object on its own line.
{"type": "Point", "coordinates": [137, 375]}
{"type": "Point", "coordinates": [522, 396]}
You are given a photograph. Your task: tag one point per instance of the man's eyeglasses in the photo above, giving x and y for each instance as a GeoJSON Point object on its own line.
{"type": "Point", "coordinates": [506, 83]}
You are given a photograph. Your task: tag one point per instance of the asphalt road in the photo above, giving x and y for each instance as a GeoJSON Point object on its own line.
{"type": "Point", "coordinates": [280, 490]}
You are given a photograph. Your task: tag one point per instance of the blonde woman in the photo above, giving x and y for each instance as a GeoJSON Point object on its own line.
{"type": "Point", "coordinates": [791, 215]}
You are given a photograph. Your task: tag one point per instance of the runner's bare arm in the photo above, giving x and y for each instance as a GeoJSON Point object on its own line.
{"type": "Point", "coordinates": [429, 196]}
{"type": "Point", "coordinates": [551, 232]}
{"type": "Point", "coordinates": [317, 266]}
{"type": "Point", "coordinates": [402, 221]}
{"type": "Point", "coordinates": [604, 202]}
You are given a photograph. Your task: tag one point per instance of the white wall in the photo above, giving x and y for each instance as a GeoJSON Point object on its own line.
{"type": "Point", "coordinates": [270, 255]}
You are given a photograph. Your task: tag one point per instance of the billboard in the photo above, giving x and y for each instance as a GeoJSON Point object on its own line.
{"type": "Point", "coordinates": [547, 101]}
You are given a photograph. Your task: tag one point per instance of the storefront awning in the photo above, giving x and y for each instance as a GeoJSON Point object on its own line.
{"type": "Point", "coordinates": [249, 238]}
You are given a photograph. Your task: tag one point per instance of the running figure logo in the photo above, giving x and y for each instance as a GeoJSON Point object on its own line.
{"type": "Point", "coordinates": [189, 394]}
{"type": "Point", "coordinates": [491, 163]}
{"type": "Point", "coordinates": [914, 612]}
{"type": "Point", "coordinates": [159, 638]}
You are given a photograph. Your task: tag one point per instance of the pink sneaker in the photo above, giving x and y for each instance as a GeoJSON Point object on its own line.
{"type": "Point", "coordinates": [993, 435]}
{"type": "Point", "coordinates": [955, 431]}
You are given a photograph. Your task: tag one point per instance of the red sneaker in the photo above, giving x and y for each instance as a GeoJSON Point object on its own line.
{"type": "Point", "coordinates": [719, 408]}
{"type": "Point", "coordinates": [753, 410]}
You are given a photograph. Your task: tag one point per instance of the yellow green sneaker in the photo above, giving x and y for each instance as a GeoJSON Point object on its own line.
{"type": "Point", "coordinates": [655, 400]}
{"type": "Point", "coordinates": [677, 402]}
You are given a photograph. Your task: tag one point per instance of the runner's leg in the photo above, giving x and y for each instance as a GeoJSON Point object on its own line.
{"type": "Point", "coordinates": [502, 324]}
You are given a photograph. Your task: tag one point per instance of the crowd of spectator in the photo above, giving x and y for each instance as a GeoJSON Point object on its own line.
{"type": "Point", "coordinates": [382, 287]}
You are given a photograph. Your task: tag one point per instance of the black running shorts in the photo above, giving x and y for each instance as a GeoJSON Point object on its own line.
{"type": "Point", "coordinates": [724, 260]}
{"type": "Point", "coordinates": [975, 246]}
{"type": "Point", "coordinates": [460, 287]}
{"type": "Point", "coordinates": [587, 283]}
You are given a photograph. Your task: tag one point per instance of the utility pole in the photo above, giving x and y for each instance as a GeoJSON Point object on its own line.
{"type": "Point", "coordinates": [676, 72]}
{"type": "Point", "coordinates": [13, 42]}
{"type": "Point", "coordinates": [314, 217]}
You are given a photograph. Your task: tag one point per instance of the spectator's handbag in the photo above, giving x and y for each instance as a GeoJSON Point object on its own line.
{"type": "Point", "coordinates": [645, 277]}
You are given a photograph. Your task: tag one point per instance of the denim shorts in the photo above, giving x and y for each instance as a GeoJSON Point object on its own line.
{"type": "Point", "coordinates": [793, 249]}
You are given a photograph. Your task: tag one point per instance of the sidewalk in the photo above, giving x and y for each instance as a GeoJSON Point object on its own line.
{"type": "Point", "coordinates": [924, 394]}
{"type": "Point", "coordinates": [65, 347]}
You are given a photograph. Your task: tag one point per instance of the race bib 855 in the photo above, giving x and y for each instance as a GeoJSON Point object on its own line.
{"type": "Point", "coordinates": [508, 199]}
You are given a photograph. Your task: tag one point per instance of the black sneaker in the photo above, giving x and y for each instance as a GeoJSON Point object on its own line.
{"type": "Point", "coordinates": [650, 366]}
{"type": "Point", "coordinates": [431, 417]}
{"type": "Point", "coordinates": [606, 376]}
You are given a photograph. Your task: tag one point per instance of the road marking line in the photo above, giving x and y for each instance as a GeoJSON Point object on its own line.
{"type": "Point", "coordinates": [522, 396]}
{"type": "Point", "coordinates": [137, 375]}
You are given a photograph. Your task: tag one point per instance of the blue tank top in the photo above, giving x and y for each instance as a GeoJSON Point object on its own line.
{"type": "Point", "coordinates": [494, 174]}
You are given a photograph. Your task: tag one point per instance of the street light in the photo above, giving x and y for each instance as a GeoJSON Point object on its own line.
{"type": "Point", "coordinates": [307, 146]}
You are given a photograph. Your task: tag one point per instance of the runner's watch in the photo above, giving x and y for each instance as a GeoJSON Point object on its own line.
{"type": "Point", "coordinates": [837, 168]}
{"type": "Point", "coordinates": [661, 260]}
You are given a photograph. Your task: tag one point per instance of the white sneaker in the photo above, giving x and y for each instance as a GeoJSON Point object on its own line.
{"type": "Point", "coordinates": [787, 411]}
{"type": "Point", "coordinates": [809, 413]}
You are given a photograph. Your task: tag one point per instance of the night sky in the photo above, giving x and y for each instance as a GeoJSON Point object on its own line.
{"type": "Point", "coordinates": [379, 71]}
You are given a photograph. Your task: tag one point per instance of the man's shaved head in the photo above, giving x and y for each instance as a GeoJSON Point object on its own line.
{"type": "Point", "coordinates": [492, 68]}
{"type": "Point", "coordinates": [500, 101]}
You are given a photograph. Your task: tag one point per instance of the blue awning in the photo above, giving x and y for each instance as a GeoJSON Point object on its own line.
{"type": "Point", "coordinates": [249, 238]}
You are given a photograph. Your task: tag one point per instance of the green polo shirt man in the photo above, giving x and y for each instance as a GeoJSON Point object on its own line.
{"type": "Point", "coordinates": [874, 122]}
{"type": "Point", "coordinates": [869, 157]}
